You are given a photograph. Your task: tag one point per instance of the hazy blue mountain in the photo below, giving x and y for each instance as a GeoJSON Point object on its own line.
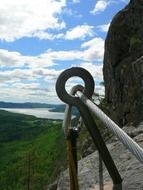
{"type": "Point", "coordinates": [53, 107]}
{"type": "Point", "coordinates": [29, 105]}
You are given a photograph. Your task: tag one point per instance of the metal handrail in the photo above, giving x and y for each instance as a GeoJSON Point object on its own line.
{"type": "Point", "coordinates": [87, 117]}
{"type": "Point", "coordinates": [80, 97]}
{"type": "Point", "coordinates": [128, 142]}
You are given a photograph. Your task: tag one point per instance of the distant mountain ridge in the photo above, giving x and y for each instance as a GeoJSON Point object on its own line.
{"type": "Point", "coordinates": [29, 105]}
{"type": "Point", "coordinates": [53, 107]}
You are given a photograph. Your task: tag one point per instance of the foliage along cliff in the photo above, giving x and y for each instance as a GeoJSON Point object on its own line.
{"type": "Point", "coordinates": [123, 64]}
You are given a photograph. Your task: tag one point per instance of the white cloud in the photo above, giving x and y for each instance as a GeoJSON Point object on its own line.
{"type": "Point", "coordinates": [19, 94]}
{"type": "Point", "coordinates": [100, 6]}
{"type": "Point", "coordinates": [10, 58]}
{"type": "Point", "coordinates": [95, 41]}
{"type": "Point", "coordinates": [47, 36]}
{"type": "Point", "coordinates": [94, 49]}
{"type": "Point", "coordinates": [11, 76]}
{"type": "Point", "coordinates": [72, 12]}
{"type": "Point", "coordinates": [104, 27]}
{"type": "Point", "coordinates": [25, 18]}
{"type": "Point", "coordinates": [79, 32]}
{"type": "Point", "coordinates": [15, 59]}
{"type": "Point", "coordinates": [76, 1]}
{"type": "Point", "coordinates": [64, 55]}
{"type": "Point", "coordinates": [43, 35]}
{"type": "Point", "coordinates": [90, 51]}
{"type": "Point", "coordinates": [24, 85]}
{"type": "Point", "coordinates": [27, 74]}
{"type": "Point", "coordinates": [44, 60]}
{"type": "Point", "coordinates": [96, 70]}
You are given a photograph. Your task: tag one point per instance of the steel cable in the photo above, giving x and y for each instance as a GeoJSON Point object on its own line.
{"type": "Point", "coordinates": [130, 144]}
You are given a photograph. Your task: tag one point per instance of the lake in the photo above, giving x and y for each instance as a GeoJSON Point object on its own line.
{"type": "Point", "coordinates": [38, 112]}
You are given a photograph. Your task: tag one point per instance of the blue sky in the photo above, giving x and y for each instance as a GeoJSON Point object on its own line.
{"type": "Point", "coordinates": [41, 38]}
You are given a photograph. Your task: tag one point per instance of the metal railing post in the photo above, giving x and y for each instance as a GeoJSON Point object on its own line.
{"type": "Point", "coordinates": [100, 144]}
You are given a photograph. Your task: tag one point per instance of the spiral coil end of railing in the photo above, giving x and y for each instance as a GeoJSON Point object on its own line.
{"type": "Point", "coordinates": [74, 72]}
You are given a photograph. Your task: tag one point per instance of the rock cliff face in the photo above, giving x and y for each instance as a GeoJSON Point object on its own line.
{"type": "Point", "coordinates": [130, 169]}
{"type": "Point", "coordinates": [123, 64]}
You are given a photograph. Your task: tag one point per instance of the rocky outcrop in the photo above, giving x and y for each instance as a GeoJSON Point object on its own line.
{"type": "Point", "coordinates": [123, 64]}
{"type": "Point", "coordinates": [130, 169]}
